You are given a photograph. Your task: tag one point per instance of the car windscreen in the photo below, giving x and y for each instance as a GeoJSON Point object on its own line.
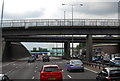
{"type": "Point", "coordinates": [115, 73]}
{"type": "Point", "coordinates": [51, 69]}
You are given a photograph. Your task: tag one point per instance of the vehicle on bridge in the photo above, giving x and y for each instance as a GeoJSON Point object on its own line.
{"type": "Point", "coordinates": [51, 72]}
{"type": "Point", "coordinates": [4, 77]}
{"type": "Point", "coordinates": [75, 65]}
{"type": "Point", "coordinates": [109, 74]}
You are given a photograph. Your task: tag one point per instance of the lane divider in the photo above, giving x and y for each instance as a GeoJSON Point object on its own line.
{"type": "Point", "coordinates": [69, 76]}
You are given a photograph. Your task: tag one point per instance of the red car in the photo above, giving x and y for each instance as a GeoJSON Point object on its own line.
{"type": "Point", "coordinates": [50, 73]}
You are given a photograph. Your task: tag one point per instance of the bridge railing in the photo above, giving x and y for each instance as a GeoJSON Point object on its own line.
{"type": "Point", "coordinates": [60, 22]}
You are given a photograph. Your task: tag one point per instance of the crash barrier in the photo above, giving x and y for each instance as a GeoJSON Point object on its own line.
{"type": "Point", "coordinates": [96, 65]}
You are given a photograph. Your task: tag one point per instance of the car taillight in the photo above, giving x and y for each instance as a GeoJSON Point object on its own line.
{"type": "Point", "coordinates": [71, 65]}
{"type": "Point", "coordinates": [109, 78]}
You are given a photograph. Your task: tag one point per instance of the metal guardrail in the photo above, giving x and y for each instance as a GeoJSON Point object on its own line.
{"type": "Point", "coordinates": [99, 65]}
{"type": "Point", "coordinates": [60, 22]}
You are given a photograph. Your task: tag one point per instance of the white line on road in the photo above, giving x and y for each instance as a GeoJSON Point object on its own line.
{"type": "Point", "coordinates": [36, 67]}
{"type": "Point", "coordinates": [33, 77]}
{"type": "Point", "coordinates": [69, 76]}
{"type": "Point", "coordinates": [91, 70]}
{"type": "Point", "coordinates": [6, 64]}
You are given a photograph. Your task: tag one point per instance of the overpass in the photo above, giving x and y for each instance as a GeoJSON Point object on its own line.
{"type": "Point", "coordinates": [89, 27]}
{"type": "Point", "coordinates": [60, 39]}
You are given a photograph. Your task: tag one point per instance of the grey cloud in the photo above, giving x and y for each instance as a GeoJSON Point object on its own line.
{"type": "Point", "coordinates": [31, 14]}
{"type": "Point", "coordinates": [95, 8]}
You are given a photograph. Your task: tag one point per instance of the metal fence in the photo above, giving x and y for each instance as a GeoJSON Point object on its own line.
{"type": "Point", "coordinates": [60, 22]}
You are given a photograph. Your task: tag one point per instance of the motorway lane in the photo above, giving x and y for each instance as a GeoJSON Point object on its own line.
{"type": "Point", "coordinates": [27, 70]}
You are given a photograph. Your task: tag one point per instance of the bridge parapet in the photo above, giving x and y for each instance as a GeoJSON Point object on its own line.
{"type": "Point", "coordinates": [60, 22]}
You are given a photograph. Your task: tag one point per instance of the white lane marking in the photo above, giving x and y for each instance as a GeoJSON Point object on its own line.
{"type": "Point", "coordinates": [16, 67]}
{"type": "Point", "coordinates": [33, 77]}
{"type": "Point", "coordinates": [91, 70]}
{"type": "Point", "coordinates": [6, 64]}
{"type": "Point", "coordinates": [13, 64]}
{"type": "Point", "coordinates": [69, 76]}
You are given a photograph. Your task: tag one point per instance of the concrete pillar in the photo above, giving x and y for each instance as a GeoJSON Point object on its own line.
{"type": "Point", "coordinates": [14, 51]}
{"type": "Point", "coordinates": [7, 51]}
{"type": "Point", "coordinates": [89, 48]}
{"type": "Point", "coordinates": [67, 50]}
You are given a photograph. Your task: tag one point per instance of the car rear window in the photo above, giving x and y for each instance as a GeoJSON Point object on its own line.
{"type": "Point", "coordinates": [76, 61]}
{"type": "Point", "coordinates": [115, 73]}
{"type": "Point", "coordinates": [51, 69]}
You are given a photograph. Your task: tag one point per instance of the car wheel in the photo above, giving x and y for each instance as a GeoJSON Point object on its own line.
{"type": "Point", "coordinates": [82, 70]}
{"type": "Point", "coordinates": [70, 70]}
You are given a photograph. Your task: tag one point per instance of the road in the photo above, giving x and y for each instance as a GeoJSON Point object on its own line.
{"type": "Point", "coordinates": [23, 70]}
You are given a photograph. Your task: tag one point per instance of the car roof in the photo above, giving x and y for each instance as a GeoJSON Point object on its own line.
{"type": "Point", "coordinates": [2, 74]}
{"type": "Point", "coordinates": [50, 66]}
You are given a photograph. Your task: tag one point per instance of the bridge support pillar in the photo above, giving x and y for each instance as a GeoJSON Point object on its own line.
{"type": "Point", "coordinates": [13, 51]}
{"type": "Point", "coordinates": [89, 48]}
{"type": "Point", "coordinates": [6, 51]}
{"type": "Point", "coordinates": [67, 50]}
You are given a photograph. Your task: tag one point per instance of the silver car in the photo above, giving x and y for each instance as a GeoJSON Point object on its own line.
{"type": "Point", "coordinates": [109, 74]}
{"type": "Point", "coordinates": [75, 65]}
{"type": "Point", "coordinates": [4, 77]}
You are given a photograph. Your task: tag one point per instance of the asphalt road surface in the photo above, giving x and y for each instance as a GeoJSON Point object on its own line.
{"type": "Point", "coordinates": [23, 70]}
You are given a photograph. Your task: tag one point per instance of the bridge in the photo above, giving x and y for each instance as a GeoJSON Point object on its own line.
{"type": "Point", "coordinates": [20, 30]}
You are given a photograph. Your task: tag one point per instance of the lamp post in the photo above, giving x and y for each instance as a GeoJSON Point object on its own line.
{"type": "Point", "coordinates": [72, 22]}
{"type": "Point", "coordinates": [2, 13]}
{"type": "Point", "coordinates": [64, 18]}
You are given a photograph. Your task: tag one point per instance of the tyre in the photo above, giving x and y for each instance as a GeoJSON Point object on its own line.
{"type": "Point", "coordinates": [82, 70]}
{"type": "Point", "coordinates": [70, 70]}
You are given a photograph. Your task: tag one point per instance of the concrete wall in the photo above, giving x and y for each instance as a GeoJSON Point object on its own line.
{"type": "Point", "coordinates": [14, 51]}
{"type": "Point", "coordinates": [19, 51]}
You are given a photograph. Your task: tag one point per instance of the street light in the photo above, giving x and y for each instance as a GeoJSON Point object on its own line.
{"type": "Point", "coordinates": [2, 13]}
{"type": "Point", "coordinates": [1, 35]}
{"type": "Point", "coordinates": [72, 21]}
{"type": "Point", "coordinates": [72, 9]}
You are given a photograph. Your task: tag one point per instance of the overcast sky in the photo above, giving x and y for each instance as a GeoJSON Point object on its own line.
{"type": "Point", "coordinates": [53, 9]}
